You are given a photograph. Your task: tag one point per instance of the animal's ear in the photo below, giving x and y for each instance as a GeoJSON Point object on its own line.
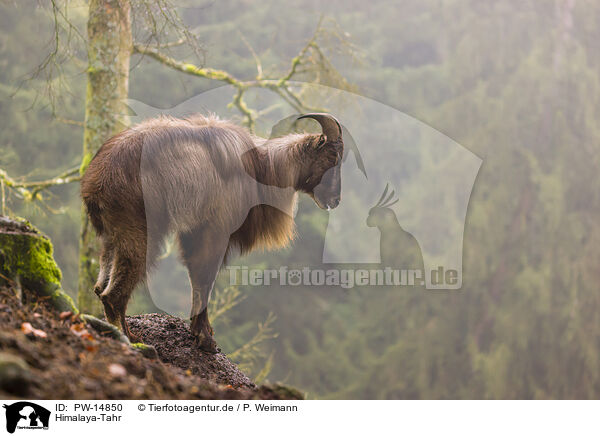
{"type": "Point", "coordinates": [330, 126]}
{"type": "Point", "coordinates": [321, 142]}
{"type": "Point", "coordinates": [313, 143]}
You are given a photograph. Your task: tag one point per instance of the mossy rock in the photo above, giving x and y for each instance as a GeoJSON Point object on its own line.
{"type": "Point", "coordinates": [26, 261]}
{"type": "Point", "coordinates": [147, 350]}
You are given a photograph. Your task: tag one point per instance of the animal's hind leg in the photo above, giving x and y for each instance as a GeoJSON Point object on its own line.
{"type": "Point", "coordinates": [106, 262]}
{"type": "Point", "coordinates": [106, 258]}
{"type": "Point", "coordinates": [127, 270]}
{"type": "Point", "coordinates": [202, 251]}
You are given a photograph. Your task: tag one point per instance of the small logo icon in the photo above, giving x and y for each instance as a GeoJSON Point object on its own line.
{"type": "Point", "coordinates": [26, 415]}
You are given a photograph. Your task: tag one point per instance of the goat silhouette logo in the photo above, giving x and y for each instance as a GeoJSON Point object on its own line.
{"type": "Point", "coordinates": [26, 415]}
{"type": "Point", "coordinates": [398, 248]}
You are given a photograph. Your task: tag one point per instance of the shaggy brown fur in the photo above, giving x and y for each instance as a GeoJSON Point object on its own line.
{"type": "Point", "coordinates": [220, 189]}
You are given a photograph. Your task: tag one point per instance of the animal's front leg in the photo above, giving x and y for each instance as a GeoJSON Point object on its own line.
{"type": "Point", "coordinates": [200, 326]}
{"type": "Point", "coordinates": [203, 250]}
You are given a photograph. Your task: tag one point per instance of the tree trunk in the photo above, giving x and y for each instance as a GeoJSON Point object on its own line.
{"type": "Point", "coordinates": [109, 50]}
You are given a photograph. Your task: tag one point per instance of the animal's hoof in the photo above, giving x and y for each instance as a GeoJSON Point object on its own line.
{"type": "Point", "coordinates": [207, 343]}
{"type": "Point", "coordinates": [134, 339]}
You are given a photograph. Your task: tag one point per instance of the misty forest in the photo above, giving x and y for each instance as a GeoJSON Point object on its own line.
{"type": "Point", "coordinates": [513, 84]}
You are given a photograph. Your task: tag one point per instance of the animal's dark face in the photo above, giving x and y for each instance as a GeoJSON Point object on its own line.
{"type": "Point", "coordinates": [322, 158]}
{"type": "Point", "coordinates": [323, 176]}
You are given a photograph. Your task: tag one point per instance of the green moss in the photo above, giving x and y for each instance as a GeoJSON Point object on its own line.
{"type": "Point", "coordinates": [27, 258]}
{"type": "Point", "coordinates": [190, 68]}
{"type": "Point", "coordinates": [147, 350]}
{"type": "Point", "coordinates": [63, 302]}
{"type": "Point", "coordinates": [85, 162]}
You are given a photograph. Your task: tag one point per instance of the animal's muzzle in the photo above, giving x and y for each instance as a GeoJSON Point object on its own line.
{"type": "Point", "coordinates": [328, 192]}
{"type": "Point", "coordinates": [334, 203]}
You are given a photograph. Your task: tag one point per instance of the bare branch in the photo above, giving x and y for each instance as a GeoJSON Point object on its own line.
{"type": "Point", "coordinates": [68, 121]}
{"type": "Point", "coordinates": [279, 86]}
{"type": "Point", "coordinates": [296, 61]}
{"type": "Point", "coordinates": [30, 190]}
{"type": "Point", "coordinates": [52, 68]}
{"type": "Point", "coordinates": [158, 17]}
{"type": "Point", "coordinates": [249, 115]}
{"type": "Point", "coordinates": [208, 73]}
{"type": "Point", "coordinates": [259, 70]}
{"type": "Point", "coordinates": [177, 43]}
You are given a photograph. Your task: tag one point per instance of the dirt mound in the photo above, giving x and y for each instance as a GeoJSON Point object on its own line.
{"type": "Point", "coordinates": [46, 354]}
{"type": "Point", "coordinates": [172, 339]}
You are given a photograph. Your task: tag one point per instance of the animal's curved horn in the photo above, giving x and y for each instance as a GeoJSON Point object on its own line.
{"type": "Point", "coordinates": [330, 126]}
